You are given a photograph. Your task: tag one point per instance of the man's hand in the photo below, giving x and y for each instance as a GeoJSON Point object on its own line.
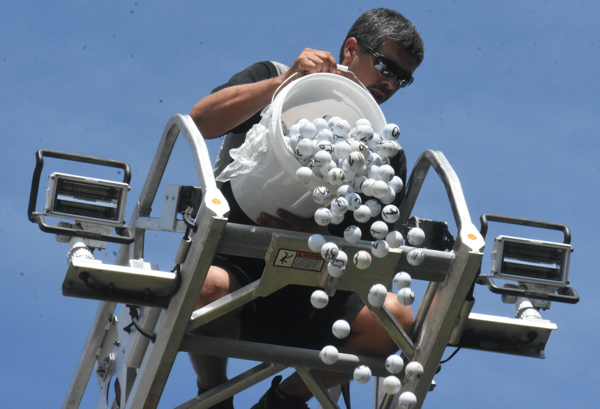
{"type": "Point", "coordinates": [311, 61]}
{"type": "Point", "coordinates": [291, 222]}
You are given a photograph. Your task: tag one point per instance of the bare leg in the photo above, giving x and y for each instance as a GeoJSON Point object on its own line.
{"type": "Point", "coordinates": [367, 337]}
{"type": "Point", "coordinates": [211, 370]}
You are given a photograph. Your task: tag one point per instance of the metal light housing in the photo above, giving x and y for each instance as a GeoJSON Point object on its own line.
{"type": "Point", "coordinates": [86, 199]}
{"type": "Point", "coordinates": [531, 261]}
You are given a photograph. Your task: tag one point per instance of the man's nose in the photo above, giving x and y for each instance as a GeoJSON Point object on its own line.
{"type": "Point", "coordinates": [390, 82]}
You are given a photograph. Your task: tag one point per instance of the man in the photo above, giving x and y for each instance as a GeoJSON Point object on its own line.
{"type": "Point", "coordinates": [382, 49]}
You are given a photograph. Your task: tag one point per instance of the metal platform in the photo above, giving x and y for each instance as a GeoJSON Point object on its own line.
{"type": "Point", "coordinates": [143, 367]}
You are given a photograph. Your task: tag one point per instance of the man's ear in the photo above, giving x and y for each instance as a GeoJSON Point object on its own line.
{"type": "Point", "coordinates": [350, 50]}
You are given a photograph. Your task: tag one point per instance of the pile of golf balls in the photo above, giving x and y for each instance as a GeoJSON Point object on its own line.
{"type": "Point", "coordinates": [355, 159]}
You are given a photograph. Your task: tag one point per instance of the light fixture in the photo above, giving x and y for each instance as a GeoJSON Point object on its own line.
{"type": "Point", "coordinates": [531, 261]}
{"type": "Point", "coordinates": [86, 199]}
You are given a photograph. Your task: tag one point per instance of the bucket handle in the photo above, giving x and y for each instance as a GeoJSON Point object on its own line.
{"type": "Point", "coordinates": [342, 68]}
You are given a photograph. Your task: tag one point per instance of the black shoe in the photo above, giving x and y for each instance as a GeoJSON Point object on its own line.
{"type": "Point", "coordinates": [275, 398]}
{"type": "Point", "coordinates": [226, 404]}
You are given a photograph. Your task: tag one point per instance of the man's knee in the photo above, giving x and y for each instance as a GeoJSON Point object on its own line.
{"type": "Point", "coordinates": [218, 283]}
{"type": "Point", "coordinates": [403, 314]}
{"type": "Point", "coordinates": [370, 337]}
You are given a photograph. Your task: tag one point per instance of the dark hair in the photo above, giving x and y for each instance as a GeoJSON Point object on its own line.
{"type": "Point", "coordinates": [377, 26]}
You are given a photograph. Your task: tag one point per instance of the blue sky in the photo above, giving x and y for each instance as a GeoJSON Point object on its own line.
{"type": "Point", "coordinates": [507, 91]}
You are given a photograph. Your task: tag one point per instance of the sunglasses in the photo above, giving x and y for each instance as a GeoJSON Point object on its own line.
{"type": "Point", "coordinates": [388, 68]}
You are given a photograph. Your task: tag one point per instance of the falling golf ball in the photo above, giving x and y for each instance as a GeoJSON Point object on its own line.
{"type": "Point", "coordinates": [341, 329]}
{"type": "Point", "coordinates": [323, 216]}
{"type": "Point", "coordinates": [319, 299]}
{"type": "Point", "coordinates": [390, 213]}
{"type": "Point", "coordinates": [362, 260]}
{"type": "Point", "coordinates": [379, 230]}
{"type": "Point", "coordinates": [416, 236]}
{"type": "Point", "coordinates": [391, 385]}
{"type": "Point", "coordinates": [407, 400]}
{"type": "Point", "coordinates": [304, 175]}
{"type": "Point", "coordinates": [362, 374]}
{"type": "Point", "coordinates": [406, 296]}
{"type": "Point", "coordinates": [362, 214]}
{"type": "Point", "coordinates": [316, 241]}
{"type": "Point", "coordinates": [394, 239]}
{"type": "Point", "coordinates": [377, 295]}
{"type": "Point", "coordinates": [414, 371]}
{"type": "Point", "coordinates": [329, 355]}
{"type": "Point", "coordinates": [329, 251]}
{"type": "Point", "coordinates": [415, 257]}
{"type": "Point", "coordinates": [391, 132]}
{"type": "Point", "coordinates": [394, 364]}
{"type": "Point", "coordinates": [321, 195]}
{"type": "Point", "coordinates": [352, 234]}
{"type": "Point", "coordinates": [402, 280]}
{"type": "Point", "coordinates": [380, 248]}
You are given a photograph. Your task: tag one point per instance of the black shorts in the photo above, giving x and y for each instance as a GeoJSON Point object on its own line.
{"type": "Point", "coordinates": [287, 316]}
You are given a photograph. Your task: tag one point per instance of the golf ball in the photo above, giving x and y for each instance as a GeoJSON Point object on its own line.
{"type": "Point", "coordinates": [341, 329]}
{"type": "Point", "coordinates": [340, 259]}
{"type": "Point", "coordinates": [344, 190]}
{"type": "Point", "coordinates": [391, 385]}
{"type": "Point", "coordinates": [320, 124]}
{"type": "Point", "coordinates": [380, 189]}
{"type": "Point", "coordinates": [380, 248]}
{"type": "Point", "coordinates": [322, 158]}
{"type": "Point", "coordinates": [341, 128]}
{"type": "Point", "coordinates": [308, 130]}
{"type": "Point", "coordinates": [386, 173]}
{"type": "Point", "coordinates": [396, 184]}
{"type": "Point", "coordinates": [339, 205]}
{"type": "Point", "coordinates": [352, 234]}
{"type": "Point", "coordinates": [323, 216]}
{"type": "Point", "coordinates": [329, 251]}
{"type": "Point", "coordinates": [391, 132]}
{"type": "Point", "coordinates": [335, 176]}
{"type": "Point", "coordinates": [374, 206]}
{"type": "Point", "coordinates": [321, 195]}
{"type": "Point", "coordinates": [414, 371]}
{"type": "Point", "coordinates": [406, 296]}
{"type": "Point", "coordinates": [394, 364]}
{"type": "Point", "coordinates": [319, 299]}
{"type": "Point", "coordinates": [402, 280]}
{"type": "Point", "coordinates": [390, 213]}
{"type": "Point", "coordinates": [416, 236]}
{"type": "Point", "coordinates": [356, 160]}
{"type": "Point", "coordinates": [362, 260]}
{"type": "Point", "coordinates": [407, 400]}
{"type": "Point", "coordinates": [335, 270]}
{"type": "Point", "coordinates": [316, 241]}
{"type": "Point", "coordinates": [377, 295]}
{"type": "Point", "coordinates": [362, 214]}
{"type": "Point", "coordinates": [362, 374]}
{"type": "Point", "coordinates": [394, 239]}
{"type": "Point", "coordinates": [304, 175]}
{"type": "Point", "coordinates": [329, 355]}
{"type": "Point", "coordinates": [389, 197]}
{"type": "Point", "coordinates": [415, 257]}
{"type": "Point", "coordinates": [379, 230]}
{"type": "Point", "coordinates": [363, 133]}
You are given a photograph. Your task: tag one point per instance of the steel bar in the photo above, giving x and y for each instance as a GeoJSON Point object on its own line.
{"type": "Point", "coordinates": [282, 355]}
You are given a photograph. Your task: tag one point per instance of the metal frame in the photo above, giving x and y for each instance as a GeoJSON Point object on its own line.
{"type": "Point", "coordinates": [144, 368]}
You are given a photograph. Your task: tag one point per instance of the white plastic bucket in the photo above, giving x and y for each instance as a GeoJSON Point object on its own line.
{"type": "Point", "coordinates": [272, 184]}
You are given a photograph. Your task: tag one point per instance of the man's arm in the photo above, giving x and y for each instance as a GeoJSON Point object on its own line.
{"type": "Point", "coordinates": [222, 111]}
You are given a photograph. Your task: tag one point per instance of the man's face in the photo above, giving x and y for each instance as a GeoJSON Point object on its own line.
{"type": "Point", "coordinates": [362, 64]}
